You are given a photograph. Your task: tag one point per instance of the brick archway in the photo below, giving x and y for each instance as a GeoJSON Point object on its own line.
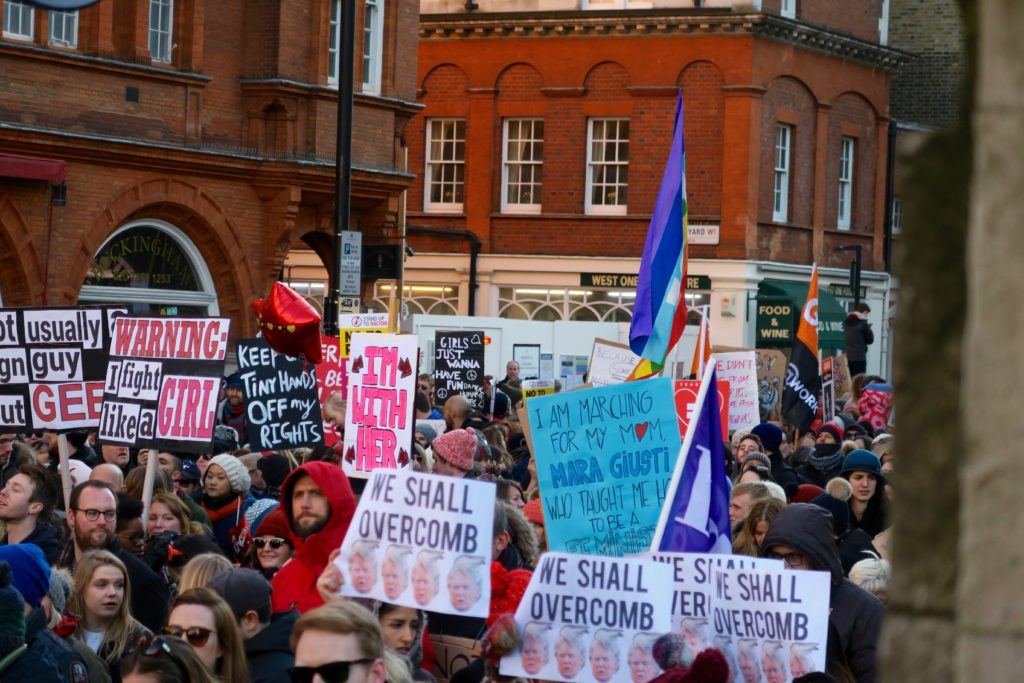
{"type": "Point", "coordinates": [201, 218]}
{"type": "Point", "coordinates": [21, 270]}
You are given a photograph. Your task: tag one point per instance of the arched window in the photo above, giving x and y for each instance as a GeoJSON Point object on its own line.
{"type": "Point", "coordinates": [154, 268]}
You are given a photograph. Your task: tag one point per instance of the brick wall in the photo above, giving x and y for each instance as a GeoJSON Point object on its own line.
{"type": "Point", "coordinates": [858, 18]}
{"type": "Point", "coordinates": [926, 90]}
{"type": "Point", "coordinates": [789, 101]}
{"type": "Point", "coordinates": [851, 116]}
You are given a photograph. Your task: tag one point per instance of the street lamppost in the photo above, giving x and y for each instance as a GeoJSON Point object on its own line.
{"type": "Point", "coordinates": [854, 270]}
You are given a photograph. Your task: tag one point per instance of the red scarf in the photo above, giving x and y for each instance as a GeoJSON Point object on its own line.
{"type": "Point", "coordinates": [218, 514]}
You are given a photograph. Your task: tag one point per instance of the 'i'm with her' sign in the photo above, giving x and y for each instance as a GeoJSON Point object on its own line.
{"type": "Point", "coordinates": [52, 364]}
{"type": "Point", "coordinates": [163, 382]}
{"type": "Point", "coordinates": [378, 413]}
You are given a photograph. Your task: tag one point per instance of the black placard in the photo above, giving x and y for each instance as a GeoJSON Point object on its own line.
{"type": "Point", "coordinates": [52, 365]}
{"type": "Point", "coordinates": [282, 408]}
{"type": "Point", "coordinates": [459, 366]}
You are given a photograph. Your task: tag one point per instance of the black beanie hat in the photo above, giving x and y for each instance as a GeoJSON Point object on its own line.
{"type": "Point", "coordinates": [12, 613]}
{"type": "Point", "coordinates": [837, 492]}
{"type": "Point", "coordinates": [275, 469]}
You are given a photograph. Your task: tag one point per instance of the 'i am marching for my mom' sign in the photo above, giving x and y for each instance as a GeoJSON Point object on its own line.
{"type": "Point", "coordinates": [163, 382]}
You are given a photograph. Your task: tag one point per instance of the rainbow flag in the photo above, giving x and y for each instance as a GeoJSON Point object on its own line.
{"type": "Point", "coordinates": [659, 311]}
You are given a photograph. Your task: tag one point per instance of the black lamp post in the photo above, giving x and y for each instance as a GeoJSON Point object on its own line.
{"type": "Point", "coordinates": [854, 270]}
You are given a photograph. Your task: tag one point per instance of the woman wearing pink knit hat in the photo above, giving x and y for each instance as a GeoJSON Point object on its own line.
{"type": "Point", "coordinates": [454, 453]}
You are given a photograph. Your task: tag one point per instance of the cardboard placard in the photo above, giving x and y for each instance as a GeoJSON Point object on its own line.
{"type": "Point", "coordinates": [828, 396]}
{"type": "Point", "coordinates": [282, 407]}
{"type": "Point", "coordinates": [537, 387]}
{"type": "Point", "coordinates": [605, 456]}
{"type": "Point", "coordinates": [163, 382]}
{"type": "Point", "coordinates": [379, 410]}
{"type": "Point", "coordinates": [686, 391]}
{"type": "Point", "coordinates": [453, 654]}
{"type": "Point", "coordinates": [423, 541]}
{"type": "Point", "coordinates": [459, 366]}
{"type": "Point", "coordinates": [610, 363]}
{"type": "Point", "coordinates": [739, 369]}
{"type": "Point", "coordinates": [693, 582]}
{"type": "Point", "coordinates": [53, 362]}
{"type": "Point", "coordinates": [841, 379]}
{"type": "Point", "coordinates": [352, 323]}
{"type": "Point", "coordinates": [583, 618]}
{"type": "Point", "coordinates": [771, 373]}
{"type": "Point", "coordinates": [331, 376]}
{"type": "Point", "coordinates": [772, 624]}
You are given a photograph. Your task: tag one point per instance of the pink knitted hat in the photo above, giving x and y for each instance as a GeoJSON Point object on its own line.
{"type": "Point", "coordinates": [457, 447]}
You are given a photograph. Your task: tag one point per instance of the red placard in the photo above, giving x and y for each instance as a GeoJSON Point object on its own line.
{"type": "Point", "coordinates": [331, 376]}
{"type": "Point", "coordinates": [686, 395]}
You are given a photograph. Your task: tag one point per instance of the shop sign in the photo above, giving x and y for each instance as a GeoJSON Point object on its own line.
{"type": "Point", "coordinates": [774, 322]}
{"type": "Point", "coordinates": [703, 234]}
{"type": "Point", "coordinates": [629, 281]}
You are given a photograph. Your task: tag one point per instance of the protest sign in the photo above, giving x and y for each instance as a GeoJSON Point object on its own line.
{"type": "Point", "coordinates": [771, 371]}
{"type": "Point", "coordinates": [453, 654]}
{"type": "Point", "coordinates": [537, 387]}
{"type": "Point", "coordinates": [586, 618]}
{"type": "Point", "coordinates": [771, 623]}
{"type": "Point", "coordinates": [282, 408]}
{"type": "Point", "coordinates": [693, 582]}
{"type": "Point", "coordinates": [163, 382]}
{"type": "Point", "coordinates": [379, 410]}
{"type": "Point", "coordinates": [52, 365]}
{"type": "Point", "coordinates": [686, 391]}
{"type": "Point", "coordinates": [610, 363]}
{"type": "Point", "coordinates": [605, 456]}
{"type": "Point", "coordinates": [572, 370]}
{"type": "Point", "coordinates": [738, 368]}
{"type": "Point", "coordinates": [459, 366]}
{"type": "Point", "coordinates": [528, 357]}
{"type": "Point", "coordinates": [828, 396]}
{"type": "Point", "coordinates": [422, 541]}
{"type": "Point", "coordinates": [331, 376]}
{"type": "Point", "coordinates": [843, 387]}
{"type": "Point", "coordinates": [352, 323]}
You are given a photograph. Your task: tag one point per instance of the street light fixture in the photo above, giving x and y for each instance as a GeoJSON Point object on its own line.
{"type": "Point", "coordinates": [854, 270]}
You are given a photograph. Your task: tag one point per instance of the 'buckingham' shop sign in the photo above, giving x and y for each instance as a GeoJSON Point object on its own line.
{"type": "Point", "coordinates": [629, 281]}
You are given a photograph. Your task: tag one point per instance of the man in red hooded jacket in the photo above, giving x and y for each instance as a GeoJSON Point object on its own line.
{"type": "Point", "coordinates": [318, 504]}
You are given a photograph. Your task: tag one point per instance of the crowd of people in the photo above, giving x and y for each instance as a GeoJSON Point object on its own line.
{"type": "Point", "coordinates": [230, 575]}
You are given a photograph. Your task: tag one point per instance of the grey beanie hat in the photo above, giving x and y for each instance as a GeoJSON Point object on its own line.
{"type": "Point", "coordinates": [60, 589]}
{"type": "Point", "coordinates": [238, 475]}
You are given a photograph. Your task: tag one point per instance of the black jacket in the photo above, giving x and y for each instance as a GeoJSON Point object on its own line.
{"type": "Point", "coordinates": [45, 645]}
{"type": "Point", "coordinates": [855, 614]}
{"type": "Point", "coordinates": [268, 652]}
{"type": "Point", "coordinates": [854, 546]}
{"type": "Point", "coordinates": [784, 475]}
{"type": "Point", "coordinates": [858, 337]}
{"type": "Point", "coordinates": [46, 537]}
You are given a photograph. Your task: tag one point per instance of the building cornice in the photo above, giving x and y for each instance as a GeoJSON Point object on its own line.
{"type": "Point", "coordinates": [684, 22]}
{"type": "Point", "coordinates": [298, 87]}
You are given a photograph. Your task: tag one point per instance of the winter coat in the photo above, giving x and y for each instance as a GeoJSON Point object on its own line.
{"type": "Point", "coordinates": [855, 613]}
{"type": "Point", "coordinates": [224, 522]}
{"type": "Point", "coordinates": [858, 337]}
{"type": "Point", "coordinates": [784, 475]}
{"type": "Point", "coordinates": [854, 546]}
{"type": "Point", "coordinates": [46, 537]}
{"type": "Point", "coordinates": [45, 646]}
{"type": "Point", "coordinates": [138, 633]}
{"type": "Point", "coordinates": [269, 653]}
{"type": "Point", "coordinates": [295, 583]}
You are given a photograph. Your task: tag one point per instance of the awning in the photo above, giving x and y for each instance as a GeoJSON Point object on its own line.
{"type": "Point", "coordinates": [774, 297]}
{"type": "Point", "coordinates": [33, 168]}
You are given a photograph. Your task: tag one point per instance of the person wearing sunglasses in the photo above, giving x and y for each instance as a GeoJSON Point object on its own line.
{"type": "Point", "coordinates": [272, 545]}
{"type": "Point", "coordinates": [338, 642]}
{"type": "Point", "coordinates": [101, 597]}
{"type": "Point", "coordinates": [202, 618]}
{"type": "Point", "coordinates": [164, 659]}
{"type": "Point", "coordinates": [803, 537]}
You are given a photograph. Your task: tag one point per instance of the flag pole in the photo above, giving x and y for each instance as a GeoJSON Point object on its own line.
{"type": "Point", "coordinates": [677, 472]}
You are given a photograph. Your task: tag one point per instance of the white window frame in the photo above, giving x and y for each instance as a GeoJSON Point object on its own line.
{"type": "Point", "coordinates": [432, 166]}
{"type": "Point", "coordinates": [334, 44]}
{"type": "Point", "coordinates": [604, 209]}
{"type": "Point", "coordinates": [373, 45]}
{"type": "Point", "coordinates": [67, 19]}
{"type": "Point", "coordinates": [22, 7]}
{"type": "Point", "coordinates": [780, 186]}
{"type": "Point", "coordinates": [206, 297]}
{"type": "Point", "coordinates": [616, 4]}
{"type": "Point", "coordinates": [536, 164]}
{"type": "Point", "coordinates": [163, 35]}
{"type": "Point", "coordinates": [847, 159]}
{"type": "Point", "coordinates": [787, 8]}
{"type": "Point", "coordinates": [897, 217]}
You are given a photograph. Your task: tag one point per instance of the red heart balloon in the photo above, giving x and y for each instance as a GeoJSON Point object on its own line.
{"type": "Point", "coordinates": [289, 324]}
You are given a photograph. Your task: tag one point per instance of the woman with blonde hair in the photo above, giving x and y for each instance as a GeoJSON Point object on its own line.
{"type": "Point", "coordinates": [200, 569]}
{"type": "Point", "coordinates": [101, 598]}
{"type": "Point", "coordinates": [167, 512]}
{"type": "Point", "coordinates": [755, 526]}
{"type": "Point", "coordinates": [202, 618]}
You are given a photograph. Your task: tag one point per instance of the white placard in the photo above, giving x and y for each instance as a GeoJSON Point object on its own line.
{"type": "Point", "coordinates": [739, 368]}
{"type": "Point", "coordinates": [610, 363]}
{"type": "Point", "coordinates": [423, 541]}
{"type": "Point", "coordinates": [584, 616]}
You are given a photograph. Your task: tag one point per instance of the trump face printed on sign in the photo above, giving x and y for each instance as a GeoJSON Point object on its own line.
{"type": "Point", "coordinates": [394, 571]}
{"type": "Point", "coordinates": [569, 651]}
{"type": "Point", "coordinates": [425, 577]}
{"type": "Point", "coordinates": [464, 582]}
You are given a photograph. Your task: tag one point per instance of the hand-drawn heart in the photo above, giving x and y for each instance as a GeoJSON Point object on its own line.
{"type": "Point", "coordinates": [405, 367]}
{"type": "Point", "coordinates": [357, 364]}
{"type": "Point", "coordinates": [350, 455]}
{"type": "Point", "coordinates": [403, 457]}
{"type": "Point", "coordinates": [641, 429]}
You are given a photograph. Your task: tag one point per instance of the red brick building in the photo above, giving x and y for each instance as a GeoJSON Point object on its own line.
{"type": "Point", "coordinates": [170, 153]}
{"type": "Point", "coordinates": [545, 132]}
